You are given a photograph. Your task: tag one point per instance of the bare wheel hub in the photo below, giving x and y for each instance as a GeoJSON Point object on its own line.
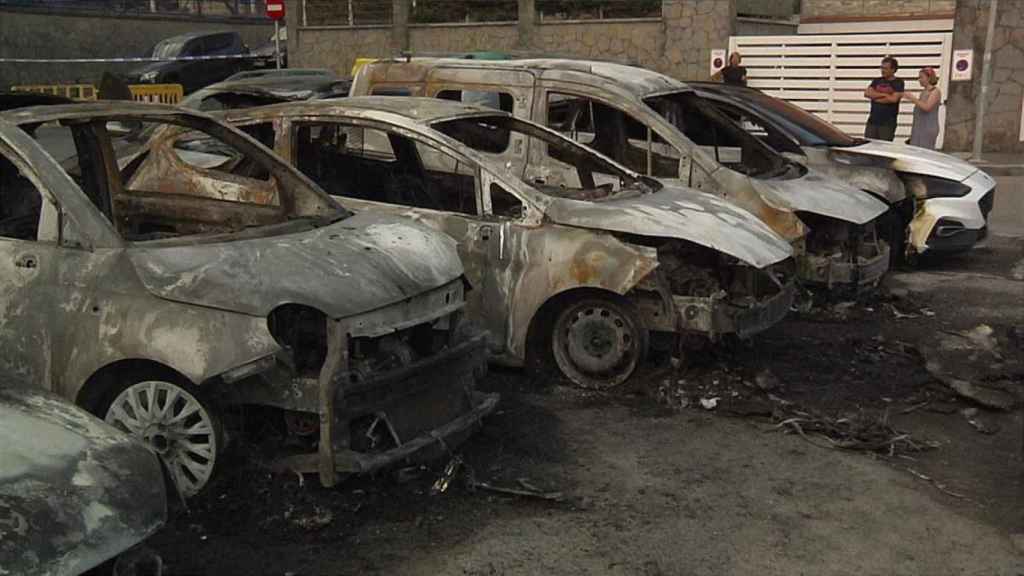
{"type": "Point", "coordinates": [175, 424]}
{"type": "Point", "coordinates": [596, 345]}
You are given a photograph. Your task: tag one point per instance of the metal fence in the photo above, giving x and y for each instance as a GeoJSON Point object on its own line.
{"type": "Point", "coordinates": [597, 9]}
{"type": "Point", "coordinates": [347, 12]}
{"type": "Point", "coordinates": [447, 11]}
{"type": "Point", "coordinates": [211, 8]}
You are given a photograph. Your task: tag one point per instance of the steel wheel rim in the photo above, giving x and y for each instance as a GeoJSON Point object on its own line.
{"type": "Point", "coordinates": [596, 345]}
{"type": "Point", "coordinates": [175, 425]}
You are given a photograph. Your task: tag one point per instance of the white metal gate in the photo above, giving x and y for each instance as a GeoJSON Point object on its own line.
{"type": "Point", "coordinates": [827, 74]}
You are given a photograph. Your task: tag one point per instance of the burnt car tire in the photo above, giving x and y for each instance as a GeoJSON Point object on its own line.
{"type": "Point", "coordinates": [176, 420]}
{"type": "Point", "coordinates": [598, 342]}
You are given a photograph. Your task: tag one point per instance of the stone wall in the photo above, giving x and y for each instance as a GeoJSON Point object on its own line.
{"type": "Point", "coordinates": [325, 48]}
{"type": "Point", "coordinates": [1006, 91]}
{"type": "Point", "coordinates": [831, 9]}
{"type": "Point", "coordinates": [434, 38]}
{"type": "Point", "coordinates": [679, 43]}
{"type": "Point", "coordinates": [42, 34]}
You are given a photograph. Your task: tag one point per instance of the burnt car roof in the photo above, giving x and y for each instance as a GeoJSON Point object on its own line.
{"type": "Point", "coordinates": [419, 110]}
{"type": "Point", "coordinates": [285, 87]}
{"type": "Point", "coordinates": [34, 114]}
{"type": "Point", "coordinates": [639, 81]}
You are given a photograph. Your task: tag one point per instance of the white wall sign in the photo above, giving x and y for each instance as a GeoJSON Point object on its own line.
{"type": "Point", "coordinates": [963, 65]}
{"type": "Point", "coordinates": [717, 60]}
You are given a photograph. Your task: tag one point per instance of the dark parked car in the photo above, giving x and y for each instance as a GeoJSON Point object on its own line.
{"type": "Point", "coordinates": [192, 74]}
{"type": "Point", "coordinates": [264, 54]}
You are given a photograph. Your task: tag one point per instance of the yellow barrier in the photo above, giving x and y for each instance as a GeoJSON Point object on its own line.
{"type": "Point", "coordinates": [75, 91]}
{"type": "Point", "coordinates": [360, 62]}
{"type": "Point", "coordinates": [157, 93]}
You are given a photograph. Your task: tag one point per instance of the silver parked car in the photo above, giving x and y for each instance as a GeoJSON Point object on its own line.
{"type": "Point", "coordinates": [162, 287]}
{"type": "Point", "coordinates": [950, 199]}
{"type": "Point", "coordinates": [589, 271]}
{"type": "Point", "coordinates": [656, 126]}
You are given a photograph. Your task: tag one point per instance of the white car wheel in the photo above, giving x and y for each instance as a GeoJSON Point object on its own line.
{"type": "Point", "coordinates": [179, 427]}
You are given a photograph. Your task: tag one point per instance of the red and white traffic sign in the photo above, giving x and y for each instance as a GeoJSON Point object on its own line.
{"type": "Point", "coordinates": [275, 9]}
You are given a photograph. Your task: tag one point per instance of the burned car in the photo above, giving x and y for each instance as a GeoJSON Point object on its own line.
{"type": "Point", "coordinates": [586, 273]}
{"type": "Point", "coordinates": [950, 199]}
{"type": "Point", "coordinates": [74, 491]}
{"type": "Point", "coordinates": [263, 87]}
{"type": "Point", "coordinates": [656, 126]}
{"type": "Point", "coordinates": [162, 289]}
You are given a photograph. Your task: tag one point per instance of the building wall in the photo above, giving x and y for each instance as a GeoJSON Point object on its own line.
{"type": "Point", "coordinates": [1002, 127]}
{"type": "Point", "coordinates": [433, 38]}
{"type": "Point", "coordinates": [42, 34]}
{"type": "Point", "coordinates": [829, 9]}
{"type": "Point", "coordinates": [679, 43]}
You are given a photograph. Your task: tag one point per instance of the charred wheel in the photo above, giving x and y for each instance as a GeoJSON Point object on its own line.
{"type": "Point", "coordinates": [598, 342]}
{"type": "Point", "coordinates": [176, 421]}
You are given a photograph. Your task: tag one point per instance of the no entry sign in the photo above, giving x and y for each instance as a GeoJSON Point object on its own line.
{"type": "Point", "coordinates": [275, 9]}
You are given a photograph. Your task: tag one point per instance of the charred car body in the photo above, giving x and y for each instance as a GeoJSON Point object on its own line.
{"type": "Point", "coordinates": [949, 200]}
{"type": "Point", "coordinates": [656, 126]}
{"type": "Point", "coordinates": [158, 288]}
{"type": "Point", "coordinates": [260, 88]}
{"type": "Point", "coordinates": [74, 491]}
{"type": "Point", "coordinates": [588, 271]}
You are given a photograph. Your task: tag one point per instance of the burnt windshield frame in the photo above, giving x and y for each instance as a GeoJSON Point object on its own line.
{"type": "Point", "coordinates": [766, 163]}
{"type": "Point", "coordinates": [807, 128]}
{"type": "Point", "coordinates": [568, 151]}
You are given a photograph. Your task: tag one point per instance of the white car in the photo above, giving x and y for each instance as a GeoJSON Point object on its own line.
{"type": "Point", "coordinates": [953, 198]}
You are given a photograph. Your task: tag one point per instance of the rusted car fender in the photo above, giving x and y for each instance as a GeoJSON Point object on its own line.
{"type": "Point", "coordinates": [573, 259]}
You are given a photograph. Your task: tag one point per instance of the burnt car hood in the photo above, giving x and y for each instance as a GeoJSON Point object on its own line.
{"type": "Point", "coordinates": [74, 492]}
{"type": "Point", "coordinates": [364, 262]}
{"type": "Point", "coordinates": [818, 194]}
{"type": "Point", "coordinates": [683, 214]}
{"type": "Point", "coordinates": [917, 160]}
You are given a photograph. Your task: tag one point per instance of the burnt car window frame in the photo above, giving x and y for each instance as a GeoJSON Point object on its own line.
{"type": "Point", "coordinates": [653, 134]}
{"type": "Point", "coordinates": [415, 138]}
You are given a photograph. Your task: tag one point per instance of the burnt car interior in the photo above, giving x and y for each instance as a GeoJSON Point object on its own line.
{"type": "Point", "coordinates": [728, 143]}
{"type": "Point", "coordinates": [613, 133]}
{"type": "Point", "coordinates": [381, 166]}
{"type": "Point", "coordinates": [20, 203]}
{"type": "Point", "coordinates": [578, 174]}
{"type": "Point", "coordinates": [182, 181]}
{"type": "Point", "coordinates": [766, 132]}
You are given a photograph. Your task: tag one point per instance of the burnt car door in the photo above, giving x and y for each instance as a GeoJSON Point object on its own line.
{"type": "Point", "coordinates": [48, 244]}
{"type": "Point", "coordinates": [27, 264]}
{"type": "Point", "coordinates": [381, 168]}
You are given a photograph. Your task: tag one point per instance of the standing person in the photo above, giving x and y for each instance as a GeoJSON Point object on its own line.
{"type": "Point", "coordinates": [733, 73]}
{"type": "Point", "coordinates": [926, 110]}
{"type": "Point", "coordinates": [885, 94]}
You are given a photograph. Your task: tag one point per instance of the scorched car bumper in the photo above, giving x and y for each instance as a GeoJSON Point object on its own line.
{"type": "Point", "coordinates": [417, 411]}
{"type": "Point", "coordinates": [716, 315]}
{"type": "Point", "coordinates": [837, 269]}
